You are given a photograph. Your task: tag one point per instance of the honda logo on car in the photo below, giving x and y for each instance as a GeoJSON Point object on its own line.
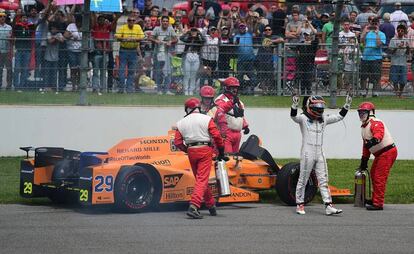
{"type": "Point", "coordinates": [170, 181]}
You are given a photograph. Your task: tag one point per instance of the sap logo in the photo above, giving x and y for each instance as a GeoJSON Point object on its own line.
{"type": "Point", "coordinates": [241, 195]}
{"type": "Point", "coordinates": [154, 141]}
{"type": "Point", "coordinates": [170, 181]}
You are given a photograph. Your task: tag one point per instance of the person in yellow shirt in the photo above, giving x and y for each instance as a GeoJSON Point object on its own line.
{"type": "Point", "coordinates": [129, 35]}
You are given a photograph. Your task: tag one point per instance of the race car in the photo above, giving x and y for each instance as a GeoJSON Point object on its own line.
{"type": "Point", "coordinates": [141, 173]}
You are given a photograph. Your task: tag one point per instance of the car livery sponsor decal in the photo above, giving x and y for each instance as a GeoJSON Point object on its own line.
{"type": "Point", "coordinates": [162, 163]}
{"type": "Point", "coordinates": [241, 194]}
{"type": "Point", "coordinates": [103, 183]}
{"type": "Point", "coordinates": [173, 148]}
{"type": "Point", "coordinates": [129, 158]}
{"type": "Point", "coordinates": [170, 181]}
{"type": "Point", "coordinates": [212, 186]}
{"type": "Point", "coordinates": [154, 141]}
{"type": "Point", "coordinates": [174, 195]}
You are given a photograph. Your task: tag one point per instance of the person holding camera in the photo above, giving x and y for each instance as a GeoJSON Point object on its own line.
{"type": "Point", "coordinates": [373, 40]}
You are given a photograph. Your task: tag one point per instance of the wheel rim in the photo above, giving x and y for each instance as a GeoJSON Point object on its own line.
{"type": "Point", "coordinates": [139, 191]}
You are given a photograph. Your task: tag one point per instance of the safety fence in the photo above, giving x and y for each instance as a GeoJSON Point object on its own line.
{"type": "Point", "coordinates": [266, 67]}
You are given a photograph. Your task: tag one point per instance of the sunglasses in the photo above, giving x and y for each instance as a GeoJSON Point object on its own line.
{"type": "Point", "coordinates": [233, 10]}
{"type": "Point", "coordinates": [268, 29]}
{"type": "Point", "coordinates": [131, 20]}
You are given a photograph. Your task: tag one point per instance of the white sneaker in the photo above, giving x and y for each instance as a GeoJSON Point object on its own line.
{"type": "Point", "coordinates": [330, 210]}
{"type": "Point", "coordinates": [300, 209]}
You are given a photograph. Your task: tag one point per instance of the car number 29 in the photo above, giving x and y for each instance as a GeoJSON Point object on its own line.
{"type": "Point", "coordinates": [105, 183]}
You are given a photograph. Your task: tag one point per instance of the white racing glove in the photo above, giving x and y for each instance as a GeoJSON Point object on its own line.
{"type": "Point", "coordinates": [348, 101]}
{"type": "Point", "coordinates": [295, 101]}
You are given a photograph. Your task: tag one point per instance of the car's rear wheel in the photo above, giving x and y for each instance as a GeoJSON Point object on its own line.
{"type": "Point", "coordinates": [286, 182]}
{"type": "Point", "coordinates": [137, 189]}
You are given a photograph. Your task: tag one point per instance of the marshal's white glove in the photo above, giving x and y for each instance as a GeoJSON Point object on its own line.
{"type": "Point", "coordinates": [295, 101]}
{"type": "Point", "coordinates": [348, 101]}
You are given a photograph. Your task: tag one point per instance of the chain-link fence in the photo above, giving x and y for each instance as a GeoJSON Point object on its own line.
{"type": "Point", "coordinates": [266, 67]}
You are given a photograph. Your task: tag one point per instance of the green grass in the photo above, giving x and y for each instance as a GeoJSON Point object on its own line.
{"type": "Point", "coordinates": [69, 98]}
{"type": "Point", "coordinates": [400, 187]}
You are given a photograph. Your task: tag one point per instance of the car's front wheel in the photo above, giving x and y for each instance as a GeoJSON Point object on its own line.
{"type": "Point", "coordinates": [137, 189]}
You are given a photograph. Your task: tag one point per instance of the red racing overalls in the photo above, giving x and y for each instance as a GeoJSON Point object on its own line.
{"type": "Point", "coordinates": [385, 153]}
{"type": "Point", "coordinates": [229, 121]}
{"type": "Point", "coordinates": [193, 135]}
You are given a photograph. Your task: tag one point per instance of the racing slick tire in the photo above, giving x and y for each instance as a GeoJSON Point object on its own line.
{"type": "Point", "coordinates": [137, 189]}
{"type": "Point", "coordinates": [287, 178]}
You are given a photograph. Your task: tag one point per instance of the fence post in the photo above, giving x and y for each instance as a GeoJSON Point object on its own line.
{"type": "Point", "coordinates": [279, 69]}
{"type": "Point", "coordinates": [334, 67]}
{"type": "Point", "coordinates": [85, 49]}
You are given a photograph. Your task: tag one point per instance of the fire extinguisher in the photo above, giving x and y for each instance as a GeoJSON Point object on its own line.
{"type": "Point", "coordinates": [360, 187]}
{"type": "Point", "coordinates": [222, 178]}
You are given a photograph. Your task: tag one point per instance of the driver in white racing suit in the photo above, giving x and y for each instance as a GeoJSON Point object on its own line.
{"type": "Point", "coordinates": [312, 125]}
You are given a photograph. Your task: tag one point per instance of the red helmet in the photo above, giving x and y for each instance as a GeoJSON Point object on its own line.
{"type": "Point", "coordinates": [315, 106]}
{"type": "Point", "coordinates": [367, 106]}
{"type": "Point", "coordinates": [207, 92]}
{"type": "Point", "coordinates": [191, 103]}
{"type": "Point", "coordinates": [231, 82]}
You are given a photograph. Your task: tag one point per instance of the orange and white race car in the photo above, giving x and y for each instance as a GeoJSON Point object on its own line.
{"type": "Point", "coordinates": [141, 173]}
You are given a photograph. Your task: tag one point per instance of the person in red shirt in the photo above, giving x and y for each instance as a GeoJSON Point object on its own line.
{"type": "Point", "coordinates": [230, 115]}
{"type": "Point", "coordinates": [377, 140]}
{"type": "Point", "coordinates": [194, 135]}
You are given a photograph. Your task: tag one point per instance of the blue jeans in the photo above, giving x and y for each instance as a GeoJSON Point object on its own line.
{"type": "Point", "coordinates": [127, 57]}
{"type": "Point", "coordinates": [98, 71]}
{"type": "Point", "coordinates": [51, 70]}
{"type": "Point", "coordinates": [398, 74]}
{"type": "Point", "coordinates": [162, 79]}
{"type": "Point", "coordinates": [21, 68]}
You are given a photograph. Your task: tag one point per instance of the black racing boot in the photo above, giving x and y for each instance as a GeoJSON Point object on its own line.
{"type": "Point", "coordinates": [212, 210]}
{"type": "Point", "coordinates": [374, 208]}
{"type": "Point", "coordinates": [368, 202]}
{"type": "Point", "coordinates": [194, 213]}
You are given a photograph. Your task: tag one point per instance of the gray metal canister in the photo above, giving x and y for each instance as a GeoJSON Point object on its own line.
{"type": "Point", "coordinates": [360, 188]}
{"type": "Point", "coordinates": [222, 179]}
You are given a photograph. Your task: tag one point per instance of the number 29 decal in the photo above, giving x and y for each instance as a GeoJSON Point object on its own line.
{"type": "Point", "coordinates": [104, 183]}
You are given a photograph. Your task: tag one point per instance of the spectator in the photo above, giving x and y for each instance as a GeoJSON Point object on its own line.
{"type": "Point", "coordinates": [265, 59]}
{"type": "Point", "coordinates": [272, 10]}
{"type": "Point", "coordinates": [164, 38]}
{"type": "Point", "coordinates": [399, 49]}
{"type": "Point", "coordinates": [398, 15]}
{"type": "Point", "coordinates": [305, 62]}
{"type": "Point", "coordinates": [410, 35]}
{"type": "Point", "coordinates": [245, 59]}
{"type": "Point", "coordinates": [61, 21]}
{"type": "Point", "coordinates": [307, 27]}
{"type": "Point", "coordinates": [225, 20]}
{"type": "Point", "coordinates": [355, 28]}
{"type": "Point", "coordinates": [154, 17]}
{"type": "Point", "coordinates": [253, 24]}
{"type": "Point", "coordinates": [23, 32]}
{"type": "Point", "coordinates": [226, 52]}
{"type": "Point", "coordinates": [292, 28]}
{"type": "Point", "coordinates": [373, 40]}
{"type": "Point", "coordinates": [136, 15]}
{"type": "Point", "coordinates": [348, 54]}
{"type": "Point", "coordinates": [387, 28]}
{"type": "Point", "coordinates": [179, 29]}
{"type": "Point", "coordinates": [101, 35]}
{"type": "Point", "coordinates": [209, 54]}
{"type": "Point", "coordinates": [194, 41]}
{"type": "Point", "coordinates": [54, 39]}
{"type": "Point", "coordinates": [196, 17]}
{"type": "Point", "coordinates": [5, 50]}
{"type": "Point", "coordinates": [319, 23]}
{"type": "Point", "coordinates": [129, 35]}
{"type": "Point", "coordinates": [363, 18]}
{"type": "Point", "coordinates": [295, 9]}
{"type": "Point", "coordinates": [278, 20]}
{"type": "Point", "coordinates": [327, 30]}
{"type": "Point", "coordinates": [73, 36]}
{"type": "Point", "coordinates": [147, 8]}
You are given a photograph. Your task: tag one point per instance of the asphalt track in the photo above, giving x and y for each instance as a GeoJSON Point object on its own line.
{"type": "Point", "coordinates": [242, 228]}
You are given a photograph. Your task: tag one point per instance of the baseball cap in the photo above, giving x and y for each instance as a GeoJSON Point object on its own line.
{"type": "Point", "coordinates": [242, 25]}
{"type": "Point", "coordinates": [194, 29]}
{"type": "Point", "coordinates": [295, 6]}
{"type": "Point", "coordinates": [306, 33]}
{"type": "Point", "coordinates": [397, 4]}
{"type": "Point", "coordinates": [325, 14]}
{"type": "Point", "coordinates": [255, 14]}
{"type": "Point", "coordinates": [212, 28]}
{"type": "Point", "coordinates": [2, 13]}
{"type": "Point", "coordinates": [224, 27]}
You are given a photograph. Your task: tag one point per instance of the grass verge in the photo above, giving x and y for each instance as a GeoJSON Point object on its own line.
{"type": "Point", "coordinates": [69, 98]}
{"type": "Point", "coordinates": [400, 188]}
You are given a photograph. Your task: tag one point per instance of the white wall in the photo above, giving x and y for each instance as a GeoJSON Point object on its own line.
{"type": "Point", "coordinates": [98, 128]}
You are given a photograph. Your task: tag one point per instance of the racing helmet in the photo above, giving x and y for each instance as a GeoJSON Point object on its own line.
{"type": "Point", "coordinates": [191, 104]}
{"type": "Point", "coordinates": [364, 110]}
{"type": "Point", "coordinates": [231, 82]}
{"type": "Point", "coordinates": [207, 92]}
{"type": "Point", "coordinates": [315, 106]}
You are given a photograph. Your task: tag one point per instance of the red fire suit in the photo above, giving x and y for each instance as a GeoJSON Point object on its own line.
{"type": "Point", "coordinates": [385, 153]}
{"type": "Point", "coordinates": [230, 121]}
{"type": "Point", "coordinates": [193, 135]}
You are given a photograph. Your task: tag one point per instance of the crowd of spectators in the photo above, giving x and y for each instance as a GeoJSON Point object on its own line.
{"type": "Point", "coordinates": [209, 42]}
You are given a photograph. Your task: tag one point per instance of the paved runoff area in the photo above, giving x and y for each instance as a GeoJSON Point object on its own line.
{"type": "Point", "coordinates": [241, 228]}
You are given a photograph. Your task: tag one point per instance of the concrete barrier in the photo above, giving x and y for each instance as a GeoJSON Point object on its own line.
{"type": "Point", "coordinates": [99, 128]}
